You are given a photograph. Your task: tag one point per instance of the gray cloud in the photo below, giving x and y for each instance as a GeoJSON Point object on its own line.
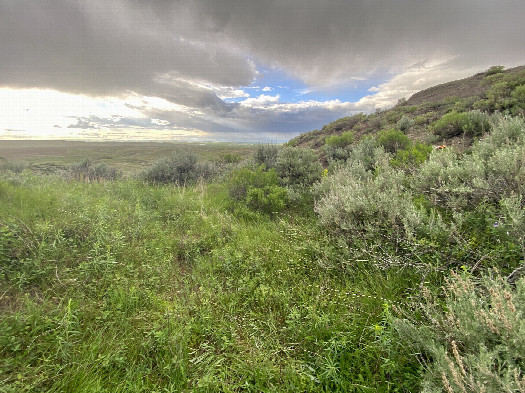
{"type": "Point", "coordinates": [195, 53]}
{"type": "Point", "coordinates": [331, 41]}
{"type": "Point", "coordinates": [109, 48]}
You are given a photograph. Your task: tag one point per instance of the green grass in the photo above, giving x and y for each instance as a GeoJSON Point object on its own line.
{"type": "Point", "coordinates": [124, 287]}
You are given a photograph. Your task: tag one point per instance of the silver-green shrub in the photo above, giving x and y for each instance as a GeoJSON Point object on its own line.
{"type": "Point", "coordinates": [474, 339]}
{"type": "Point", "coordinates": [266, 155]}
{"type": "Point", "coordinates": [298, 168]}
{"type": "Point", "coordinates": [88, 171]}
{"type": "Point", "coordinates": [368, 153]}
{"type": "Point", "coordinates": [356, 201]}
{"type": "Point", "coordinates": [476, 123]}
{"type": "Point", "coordinates": [494, 169]}
{"type": "Point", "coordinates": [405, 123]}
{"type": "Point", "coordinates": [450, 181]}
{"type": "Point", "coordinates": [181, 169]}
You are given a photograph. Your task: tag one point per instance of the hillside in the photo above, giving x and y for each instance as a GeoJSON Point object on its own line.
{"type": "Point", "coordinates": [493, 90]}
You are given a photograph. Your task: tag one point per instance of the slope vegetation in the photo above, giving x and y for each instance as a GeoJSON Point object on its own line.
{"type": "Point", "coordinates": [494, 90]}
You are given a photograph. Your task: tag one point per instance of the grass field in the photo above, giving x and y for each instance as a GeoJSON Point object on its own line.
{"type": "Point", "coordinates": [129, 157]}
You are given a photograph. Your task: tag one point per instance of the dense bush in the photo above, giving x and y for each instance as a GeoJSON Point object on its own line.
{"type": "Point", "coordinates": [340, 141]}
{"type": "Point", "coordinates": [495, 70]}
{"type": "Point", "coordinates": [87, 170]}
{"type": "Point", "coordinates": [492, 170]}
{"type": "Point", "coordinates": [180, 168]}
{"type": "Point", "coordinates": [393, 140]}
{"type": "Point", "coordinates": [266, 155]}
{"type": "Point", "coordinates": [337, 154]}
{"type": "Point", "coordinates": [356, 201]}
{"type": "Point", "coordinates": [449, 125]}
{"type": "Point", "coordinates": [476, 340]}
{"type": "Point", "coordinates": [476, 123]}
{"type": "Point", "coordinates": [473, 123]}
{"type": "Point", "coordinates": [258, 189]}
{"type": "Point", "coordinates": [369, 154]}
{"type": "Point", "coordinates": [405, 123]}
{"type": "Point", "coordinates": [298, 168]}
{"type": "Point", "coordinates": [412, 157]}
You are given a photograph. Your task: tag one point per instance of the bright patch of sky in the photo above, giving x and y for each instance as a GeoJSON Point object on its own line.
{"type": "Point", "coordinates": [275, 81]}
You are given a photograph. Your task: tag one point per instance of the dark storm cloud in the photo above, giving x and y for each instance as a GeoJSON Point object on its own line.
{"type": "Point", "coordinates": [110, 48]}
{"type": "Point", "coordinates": [107, 48]}
{"type": "Point", "coordinates": [330, 41]}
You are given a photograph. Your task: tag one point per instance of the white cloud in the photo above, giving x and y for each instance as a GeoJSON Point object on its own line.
{"type": "Point", "coordinates": [267, 88]}
{"type": "Point", "coordinates": [160, 122]}
{"type": "Point", "coordinates": [410, 82]}
{"type": "Point", "coordinates": [260, 102]}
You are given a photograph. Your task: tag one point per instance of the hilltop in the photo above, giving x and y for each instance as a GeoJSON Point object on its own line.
{"type": "Point", "coordinates": [493, 90]}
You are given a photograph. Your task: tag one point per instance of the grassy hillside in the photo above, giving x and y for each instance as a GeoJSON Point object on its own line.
{"type": "Point", "coordinates": [397, 268]}
{"type": "Point", "coordinates": [494, 90]}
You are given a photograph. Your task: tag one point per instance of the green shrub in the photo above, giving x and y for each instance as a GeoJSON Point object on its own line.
{"type": "Point", "coordinates": [336, 154]}
{"type": "Point", "coordinates": [518, 100]}
{"type": "Point", "coordinates": [450, 124]}
{"type": "Point", "coordinates": [494, 169]}
{"type": "Point", "coordinates": [405, 123]}
{"type": "Point", "coordinates": [413, 156]}
{"type": "Point", "coordinates": [87, 170]}
{"type": "Point", "coordinates": [476, 123]}
{"type": "Point", "coordinates": [519, 94]}
{"type": "Point", "coordinates": [495, 70]}
{"type": "Point", "coordinates": [298, 168]}
{"type": "Point", "coordinates": [180, 169]}
{"type": "Point", "coordinates": [393, 140]}
{"type": "Point", "coordinates": [343, 140]}
{"type": "Point", "coordinates": [368, 154]}
{"type": "Point", "coordinates": [449, 181]}
{"type": "Point", "coordinates": [268, 199]}
{"type": "Point", "coordinates": [475, 341]}
{"type": "Point", "coordinates": [258, 188]}
{"type": "Point", "coordinates": [356, 201]}
{"type": "Point", "coordinates": [266, 155]}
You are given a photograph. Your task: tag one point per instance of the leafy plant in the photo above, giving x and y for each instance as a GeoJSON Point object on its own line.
{"type": "Point", "coordinates": [450, 124]}
{"type": "Point", "coordinates": [266, 155]}
{"type": "Point", "coordinates": [393, 140]}
{"type": "Point", "coordinates": [340, 141]}
{"type": "Point", "coordinates": [259, 189]}
{"type": "Point", "coordinates": [498, 69]}
{"type": "Point", "coordinates": [89, 171]}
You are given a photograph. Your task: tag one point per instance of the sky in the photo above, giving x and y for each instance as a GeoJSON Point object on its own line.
{"type": "Point", "coordinates": [233, 70]}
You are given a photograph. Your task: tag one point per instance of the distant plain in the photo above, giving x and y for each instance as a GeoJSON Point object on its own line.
{"type": "Point", "coordinates": [129, 157]}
